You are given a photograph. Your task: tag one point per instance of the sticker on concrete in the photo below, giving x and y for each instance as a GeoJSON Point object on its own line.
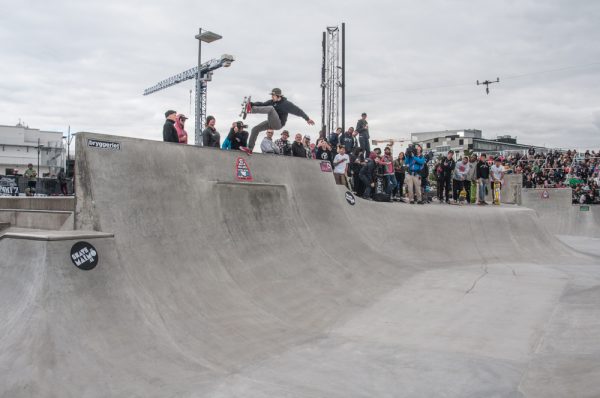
{"type": "Point", "coordinates": [84, 256]}
{"type": "Point", "coordinates": [350, 198]}
{"type": "Point", "coordinates": [109, 145]}
{"type": "Point", "coordinates": [584, 208]}
{"type": "Point", "coordinates": [242, 170]}
{"type": "Point", "coordinates": [326, 167]}
{"type": "Point", "coordinates": [545, 195]}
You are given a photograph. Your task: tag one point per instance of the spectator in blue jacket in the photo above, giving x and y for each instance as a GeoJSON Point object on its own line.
{"type": "Point", "coordinates": [414, 160]}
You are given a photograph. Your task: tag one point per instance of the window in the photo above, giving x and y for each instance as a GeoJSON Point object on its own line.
{"type": "Point", "coordinates": [436, 139]}
{"type": "Point", "coordinates": [461, 142]}
{"type": "Point", "coordinates": [428, 145]}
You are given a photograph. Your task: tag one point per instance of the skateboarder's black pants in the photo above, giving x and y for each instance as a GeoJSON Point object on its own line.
{"type": "Point", "coordinates": [272, 122]}
{"type": "Point", "coordinates": [468, 188]}
{"type": "Point", "coordinates": [457, 186]}
{"type": "Point", "coordinates": [443, 184]}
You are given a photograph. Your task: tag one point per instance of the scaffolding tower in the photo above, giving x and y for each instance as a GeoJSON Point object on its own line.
{"type": "Point", "coordinates": [332, 80]}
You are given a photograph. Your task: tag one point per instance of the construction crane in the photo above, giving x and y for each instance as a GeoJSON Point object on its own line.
{"type": "Point", "coordinates": [202, 75]}
{"type": "Point", "coordinates": [487, 84]}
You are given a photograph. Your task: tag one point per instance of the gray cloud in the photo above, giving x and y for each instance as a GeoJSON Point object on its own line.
{"type": "Point", "coordinates": [411, 65]}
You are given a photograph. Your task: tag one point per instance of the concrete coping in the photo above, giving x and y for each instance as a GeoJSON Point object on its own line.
{"type": "Point", "coordinates": [45, 235]}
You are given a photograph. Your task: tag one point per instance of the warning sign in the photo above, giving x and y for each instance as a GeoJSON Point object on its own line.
{"type": "Point", "coordinates": [242, 170]}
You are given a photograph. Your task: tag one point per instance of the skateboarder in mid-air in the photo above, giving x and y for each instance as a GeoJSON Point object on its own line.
{"type": "Point", "coordinates": [276, 109]}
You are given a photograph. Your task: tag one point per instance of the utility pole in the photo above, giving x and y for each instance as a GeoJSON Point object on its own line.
{"type": "Point", "coordinates": [343, 82]}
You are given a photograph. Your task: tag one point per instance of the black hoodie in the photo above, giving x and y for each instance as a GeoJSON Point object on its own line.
{"type": "Point", "coordinates": [283, 107]}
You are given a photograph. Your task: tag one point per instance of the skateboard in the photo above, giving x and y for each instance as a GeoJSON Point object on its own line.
{"type": "Point", "coordinates": [473, 193]}
{"type": "Point", "coordinates": [462, 196]}
{"type": "Point", "coordinates": [496, 192]}
{"type": "Point", "coordinates": [247, 100]}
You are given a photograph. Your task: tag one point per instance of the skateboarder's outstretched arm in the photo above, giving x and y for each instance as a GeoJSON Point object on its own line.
{"type": "Point", "coordinates": [295, 110]}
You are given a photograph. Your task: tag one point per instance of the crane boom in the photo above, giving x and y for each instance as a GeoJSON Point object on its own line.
{"type": "Point", "coordinates": [207, 67]}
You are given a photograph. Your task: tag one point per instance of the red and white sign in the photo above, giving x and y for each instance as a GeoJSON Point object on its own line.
{"type": "Point", "coordinates": [242, 170]}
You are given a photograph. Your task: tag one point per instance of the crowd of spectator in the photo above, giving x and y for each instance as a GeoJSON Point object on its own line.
{"type": "Point", "coordinates": [377, 175]}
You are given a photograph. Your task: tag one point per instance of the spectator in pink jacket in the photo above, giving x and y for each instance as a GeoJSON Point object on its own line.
{"type": "Point", "coordinates": [180, 127]}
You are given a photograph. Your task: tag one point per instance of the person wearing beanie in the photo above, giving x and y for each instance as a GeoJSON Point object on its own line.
{"type": "Point", "coordinates": [169, 130]}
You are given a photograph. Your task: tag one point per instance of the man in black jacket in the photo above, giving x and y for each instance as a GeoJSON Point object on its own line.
{"type": "Point", "coordinates": [169, 131]}
{"type": "Point", "coordinates": [362, 127]}
{"type": "Point", "coordinates": [277, 110]}
{"type": "Point", "coordinates": [298, 149]}
{"type": "Point", "coordinates": [445, 177]}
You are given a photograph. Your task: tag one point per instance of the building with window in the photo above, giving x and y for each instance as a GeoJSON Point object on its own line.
{"type": "Point", "coordinates": [471, 140]}
{"type": "Point", "coordinates": [21, 145]}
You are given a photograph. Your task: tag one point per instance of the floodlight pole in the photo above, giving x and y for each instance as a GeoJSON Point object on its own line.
{"type": "Point", "coordinates": [199, 117]}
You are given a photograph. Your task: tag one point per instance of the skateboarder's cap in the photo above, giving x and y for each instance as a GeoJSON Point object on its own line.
{"type": "Point", "coordinates": [277, 92]}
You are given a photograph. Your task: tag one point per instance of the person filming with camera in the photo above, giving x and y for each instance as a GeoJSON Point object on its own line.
{"type": "Point", "coordinates": [414, 160]}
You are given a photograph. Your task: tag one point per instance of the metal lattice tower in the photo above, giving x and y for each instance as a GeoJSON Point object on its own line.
{"type": "Point", "coordinates": [331, 80]}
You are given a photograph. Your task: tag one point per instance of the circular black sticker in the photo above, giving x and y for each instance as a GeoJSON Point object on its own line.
{"type": "Point", "coordinates": [350, 198]}
{"type": "Point", "coordinates": [84, 256]}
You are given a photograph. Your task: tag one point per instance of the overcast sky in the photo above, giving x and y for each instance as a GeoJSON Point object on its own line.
{"type": "Point", "coordinates": [411, 65]}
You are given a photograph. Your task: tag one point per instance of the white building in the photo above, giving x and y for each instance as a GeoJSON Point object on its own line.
{"type": "Point", "coordinates": [20, 145]}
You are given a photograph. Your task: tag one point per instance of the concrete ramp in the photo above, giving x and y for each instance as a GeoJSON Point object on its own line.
{"type": "Point", "coordinates": [215, 286]}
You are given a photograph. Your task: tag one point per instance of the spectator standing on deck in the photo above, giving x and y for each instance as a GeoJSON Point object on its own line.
{"type": "Point", "coordinates": [267, 145]}
{"type": "Point", "coordinates": [210, 136]}
{"type": "Point", "coordinates": [414, 160]}
{"type": "Point", "coordinates": [400, 173]}
{"type": "Point", "coordinates": [444, 183]}
{"type": "Point", "coordinates": [340, 165]}
{"type": "Point", "coordinates": [31, 177]}
{"type": "Point", "coordinates": [323, 151]}
{"type": "Point", "coordinates": [169, 131]}
{"type": "Point", "coordinates": [347, 140]}
{"type": "Point", "coordinates": [285, 147]}
{"type": "Point", "coordinates": [180, 127]}
{"type": "Point", "coordinates": [387, 161]}
{"type": "Point", "coordinates": [497, 173]}
{"type": "Point", "coordinates": [362, 128]}
{"type": "Point", "coordinates": [460, 175]}
{"type": "Point", "coordinates": [298, 149]}
{"type": "Point", "coordinates": [62, 181]}
{"type": "Point", "coordinates": [483, 177]}
{"type": "Point", "coordinates": [237, 136]}
{"type": "Point", "coordinates": [367, 172]}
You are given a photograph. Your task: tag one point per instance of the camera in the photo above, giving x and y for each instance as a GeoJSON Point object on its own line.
{"type": "Point", "coordinates": [428, 156]}
{"type": "Point", "coordinates": [411, 150]}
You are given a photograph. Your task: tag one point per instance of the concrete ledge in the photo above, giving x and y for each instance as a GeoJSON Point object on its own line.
{"type": "Point", "coordinates": [64, 203]}
{"type": "Point", "coordinates": [38, 219]}
{"type": "Point", "coordinates": [38, 234]}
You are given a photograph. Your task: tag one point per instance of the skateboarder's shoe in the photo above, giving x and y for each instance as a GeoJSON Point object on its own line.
{"type": "Point", "coordinates": [246, 150]}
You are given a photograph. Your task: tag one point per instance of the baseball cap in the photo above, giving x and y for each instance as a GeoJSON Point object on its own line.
{"type": "Point", "coordinates": [182, 116]}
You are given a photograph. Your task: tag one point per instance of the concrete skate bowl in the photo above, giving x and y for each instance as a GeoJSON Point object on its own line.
{"type": "Point", "coordinates": [277, 287]}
